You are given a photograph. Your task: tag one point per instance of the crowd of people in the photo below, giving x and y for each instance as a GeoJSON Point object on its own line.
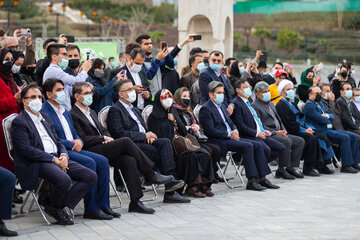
{"type": "Point", "coordinates": [262, 116]}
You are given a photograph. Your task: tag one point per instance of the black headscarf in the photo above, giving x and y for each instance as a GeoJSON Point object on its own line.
{"type": "Point", "coordinates": [234, 69]}
{"type": "Point", "coordinates": [5, 75]}
{"type": "Point", "coordinates": [97, 63]}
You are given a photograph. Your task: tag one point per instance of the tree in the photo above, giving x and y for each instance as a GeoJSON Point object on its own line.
{"type": "Point", "coordinates": [326, 44]}
{"type": "Point", "coordinates": [288, 40]}
{"type": "Point", "coordinates": [262, 33]}
{"type": "Point", "coordinates": [237, 37]}
{"type": "Point", "coordinates": [165, 13]}
{"type": "Point", "coordinates": [156, 36]}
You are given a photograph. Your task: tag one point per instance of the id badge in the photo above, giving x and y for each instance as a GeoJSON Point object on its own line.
{"type": "Point", "coordinates": [329, 125]}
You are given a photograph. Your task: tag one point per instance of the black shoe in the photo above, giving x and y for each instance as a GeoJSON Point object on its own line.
{"type": "Point", "coordinates": [159, 179]}
{"type": "Point", "coordinates": [139, 207]}
{"type": "Point", "coordinates": [175, 198]}
{"type": "Point", "coordinates": [348, 169]}
{"type": "Point", "coordinates": [110, 212]}
{"type": "Point", "coordinates": [282, 173]}
{"type": "Point", "coordinates": [174, 185]}
{"type": "Point", "coordinates": [218, 178]}
{"type": "Point", "coordinates": [254, 185]}
{"type": "Point", "coordinates": [6, 232]}
{"type": "Point", "coordinates": [59, 215]}
{"type": "Point", "coordinates": [99, 215]}
{"type": "Point", "coordinates": [17, 198]}
{"type": "Point", "coordinates": [311, 173]}
{"type": "Point", "coordinates": [356, 166]}
{"type": "Point", "coordinates": [266, 183]}
{"type": "Point", "coordinates": [296, 173]}
{"type": "Point", "coordinates": [326, 170]}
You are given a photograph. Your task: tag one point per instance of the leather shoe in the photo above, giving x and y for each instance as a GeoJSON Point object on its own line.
{"type": "Point", "coordinates": [207, 191]}
{"type": "Point", "coordinates": [348, 169]}
{"type": "Point", "coordinates": [266, 183]}
{"type": "Point", "coordinates": [174, 185]}
{"type": "Point", "coordinates": [326, 170]}
{"type": "Point", "coordinates": [17, 198]}
{"type": "Point", "coordinates": [6, 232]}
{"type": "Point", "coordinates": [254, 185]}
{"type": "Point", "coordinates": [175, 198]}
{"type": "Point", "coordinates": [139, 207]}
{"type": "Point", "coordinates": [282, 173]}
{"type": "Point", "coordinates": [296, 173]}
{"type": "Point", "coordinates": [356, 166]}
{"type": "Point", "coordinates": [59, 215]}
{"type": "Point", "coordinates": [311, 173]}
{"type": "Point", "coordinates": [109, 211]}
{"type": "Point", "coordinates": [99, 215]}
{"type": "Point", "coordinates": [194, 192]}
{"type": "Point", "coordinates": [159, 179]}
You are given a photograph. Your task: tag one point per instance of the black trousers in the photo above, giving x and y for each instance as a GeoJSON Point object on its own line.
{"type": "Point", "coordinates": [7, 186]}
{"type": "Point", "coordinates": [312, 153]}
{"type": "Point", "coordinates": [126, 156]}
{"type": "Point", "coordinates": [215, 153]}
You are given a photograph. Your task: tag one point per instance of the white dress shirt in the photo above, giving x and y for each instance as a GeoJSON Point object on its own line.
{"type": "Point", "coordinates": [137, 80]}
{"type": "Point", "coordinates": [64, 122]}
{"type": "Point", "coordinates": [228, 128]}
{"type": "Point", "coordinates": [357, 105]}
{"type": "Point", "coordinates": [258, 130]}
{"type": "Point", "coordinates": [132, 114]}
{"type": "Point", "coordinates": [88, 116]}
{"type": "Point", "coordinates": [48, 143]}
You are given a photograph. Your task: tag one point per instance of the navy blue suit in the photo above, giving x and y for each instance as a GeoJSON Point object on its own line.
{"type": "Point", "coordinates": [206, 77]}
{"type": "Point", "coordinates": [356, 113]}
{"type": "Point", "coordinates": [348, 141]}
{"type": "Point", "coordinates": [98, 197]}
{"type": "Point", "coordinates": [255, 163]}
{"type": "Point", "coordinates": [32, 162]}
{"type": "Point", "coordinates": [7, 187]}
{"type": "Point", "coordinates": [245, 123]}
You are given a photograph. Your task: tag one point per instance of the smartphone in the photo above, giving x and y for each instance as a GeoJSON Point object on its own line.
{"type": "Point", "coordinates": [320, 66]}
{"type": "Point", "coordinates": [87, 55]}
{"type": "Point", "coordinates": [124, 73]}
{"type": "Point", "coordinates": [163, 44]}
{"type": "Point", "coordinates": [26, 32]}
{"type": "Point", "coordinates": [197, 37]}
{"type": "Point", "coordinates": [263, 57]}
{"type": "Point", "coordinates": [70, 39]}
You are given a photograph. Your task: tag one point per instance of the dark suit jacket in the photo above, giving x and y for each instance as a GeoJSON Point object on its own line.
{"type": "Point", "coordinates": [313, 116]}
{"type": "Point", "coordinates": [332, 107]}
{"type": "Point", "coordinates": [86, 131]}
{"type": "Point", "coordinates": [212, 122]}
{"type": "Point", "coordinates": [188, 80]}
{"type": "Point", "coordinates": [347, 115]}
{"type": "Point", "coordinates": [49, 110]}
{"type": "Point", "coordinates": [243, 119]}
{"type": "Point", "coordinates": [288, 117]}
{"type": "Point", "coordinates": [356, 112]}
{"type": "Point", "coordinates": [207, 76]}
{"type": "Point", "coordinates": [121, 124]}
{"type": "Point", "coordinates": [263, 113]}
{"type": "Point", "coordinates": [29, 149]}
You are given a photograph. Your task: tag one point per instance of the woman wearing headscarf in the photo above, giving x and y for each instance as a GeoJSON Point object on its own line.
{"type": "Point", "coordinates": [104, 94]}
{"type": "Point", "coordinates": [194, 168]}
{"type": "Point", "coordinates": [15, 69]}
{"type": "Point", "coordinates": [182, 106]}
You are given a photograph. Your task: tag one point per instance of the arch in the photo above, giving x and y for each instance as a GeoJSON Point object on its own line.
{"type": "Point", "coordinates": [200, 24]}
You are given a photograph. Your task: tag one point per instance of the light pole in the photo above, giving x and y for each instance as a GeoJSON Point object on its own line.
{"type": "Point", "coordinates": [51, 9]}
{"type": "Point", "coordinates": [247, 32]}
{"type": "Point", "coordinates": [15, 3]}
{"type": "Point", "coordinates": [87, 22]}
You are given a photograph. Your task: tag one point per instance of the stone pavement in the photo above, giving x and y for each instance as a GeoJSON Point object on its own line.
{"type": "Point", "coordinates": [326, 207]}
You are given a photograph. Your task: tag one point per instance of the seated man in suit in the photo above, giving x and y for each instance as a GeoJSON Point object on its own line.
{"type": "Point", "coordinates": [40, 153]}
{"type": "Point", "coordinates": [346, 112]}
{"type": "Point", "coordinates": [289, 160]}
{"type": "Point", "coordinates": [124, 120]}
{"type": "Point", "coordinates": [355, 104]}
{"type": "Point", "coordinates": [318, 116]}
{"type": "Point", "coordinates": [328, 100]}
{"type": "Point", "coordinates": [315, 144]}
{"type": "Point", "coordinates": [97, 203]}
{"type": "Point", "coordinates": [213, 73]}
{"type": "Point", "coordinates": [135, 58]}
{"type": "Point", "coordinates": [191, 77]}
{"type": "Point", "coordinates": [249, 124]}
{"type": "Point", "coordinates": [122, 153]}
{"type": "Point", "coordinates": [220, 130]}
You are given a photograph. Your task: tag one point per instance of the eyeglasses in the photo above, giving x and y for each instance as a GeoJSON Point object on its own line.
{"type": "Point", "coordinates": [129, 89]}
{"type": "Point", "coordinates": [216, 60]}
{"type": "Point", "coordinates": [64, 54]}
{"type": "Point", "coordinates": [34, 97]}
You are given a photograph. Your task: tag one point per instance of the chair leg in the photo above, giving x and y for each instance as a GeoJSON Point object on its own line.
{"type": "Point", "coordinates": [155, 195]}
{"type": "Point", "coordinates": [337, 161]}
{"type": "Point", "coordinates": [231, 161]}
{"type": "Point", "coordinates": [116, 194]}
{"type": "Point", "coordinates": [40, 209]}
{"type": "Point", "coordinates": [32, 201]}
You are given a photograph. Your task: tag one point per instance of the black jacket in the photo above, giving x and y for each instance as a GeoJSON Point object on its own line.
{"type": "Point", "coordinates": [347, 115]}
{"type": "Point", "coordinates": [40, 69]}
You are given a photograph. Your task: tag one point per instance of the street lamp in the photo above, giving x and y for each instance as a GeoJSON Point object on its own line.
{"type": "Point", "coordinates": [51, 9]}
{"type": "Point", "coordinates": [87, 21]}
{"type": "Point", "coordinates": [15, 4]}
{"type": "Point", "coordinates": [247, 31]}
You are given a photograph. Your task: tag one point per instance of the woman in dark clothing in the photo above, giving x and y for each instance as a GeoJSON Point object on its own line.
{"type": "Point", "coordinates": [194, 168]}
{"type": "Point", "coordinates": [235, 74]}
{"type": "Point", "coordinates": [182, 100]}
{"type": "Point", "coordinates": [15, 69]}
{"type": "Point", "coordinates": [104, 94]}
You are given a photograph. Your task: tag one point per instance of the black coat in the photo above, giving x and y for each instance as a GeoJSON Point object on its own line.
{"type": "Point", "coordinates": [347, 115]}
{"type": "Point", "coordinates": [40, 69]}
{"type": "Point", "coordinates": [288, 117]}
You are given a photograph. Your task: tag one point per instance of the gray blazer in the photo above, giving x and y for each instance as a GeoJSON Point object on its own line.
{"type": "Point", "coordinates": [188, 80]}
{"type": "Point", "coordinates": [263, 113]}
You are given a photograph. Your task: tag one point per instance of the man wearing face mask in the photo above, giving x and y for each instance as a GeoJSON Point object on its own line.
{"type": "Point", "coordinates": [328, 100]}
{"type": "Point", "coordinates": [39, 153]}
{"type": "Point", "coordinates": [74, 58]}
{"type": "Point", "coordinates": [124, 120]}
{"type": "Point", "coordinates": [318, 116]}
{"type": "Point", "coordinates": [57, 55]}
{"type": "Point", "coordinates": [270, 77]}
{"type": "Point", "coordinates": [191, 77]}
{"type": "Point", "coordinates": [135, 58]}
{"type": "Point", "coordinates": [213, 73]}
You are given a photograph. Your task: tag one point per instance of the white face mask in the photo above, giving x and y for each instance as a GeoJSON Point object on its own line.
{"type": "Point", "coordinates": [35, 105]}
{"type": "Point", "coordinates": [136, 68]}
{"type": "Point", "coordinates": [131, 96]}
{"type": "Point", "coordinates": [15, 68]}
{"type": "Point", "coordinates": [167, 103]}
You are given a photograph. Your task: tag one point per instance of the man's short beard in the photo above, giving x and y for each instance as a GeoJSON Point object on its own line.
{"type": "Point", "coordinates": [148, 53]}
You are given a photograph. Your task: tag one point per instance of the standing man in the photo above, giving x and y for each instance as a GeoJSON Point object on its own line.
{"type": "Point", "coordinates": [191, 77]}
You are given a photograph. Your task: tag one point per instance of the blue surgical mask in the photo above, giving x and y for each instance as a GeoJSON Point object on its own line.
{"type": "Point", "coordinates": [266, 97]}
{"type": "Point", "coordinates": [201, 67]}
{"type": "Point", "coordinates": [60, 99]}
{"type": "Point", "coordinates": [247, 92]}
{"type": "Point", "coordinates": [348, 93]}
{"type": "Point", "coordinates": [327, 95]}
{"type": "Point", "coordinates": [290, 94]}
{"type": "Point", "coordinates": [113, 64]}
{"type": "Point", "coordinates": [215, 67]}
{"type": "Point", "coordinates": [219, 98]}
{"type": "Point", "coordinates": [176, 61]}
{"type": "Point", "coordinates": [88, 99]}
{"type": "Point", "coordinates": [273, 72]}
{"type": "Point", "coordinates": [357, 99]}
{"type": "Point", "coordinates": [64, 63]}
{"type": "Point", "coordinates": [242, 69]}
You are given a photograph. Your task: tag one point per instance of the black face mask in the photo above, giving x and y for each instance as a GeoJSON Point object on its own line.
{"type": "Point", "coordinates": [343, 74]}
{"type": "Point", "coordinates": [7, 66]}
{"type": "Point", "coordinates": [74, 63]}
{"type": "Point", "coordinates": [310, 80]}
{"type": "Point", "coordinates": [318, 98]}
{"type": "Point", "coordinates": [186, 101]}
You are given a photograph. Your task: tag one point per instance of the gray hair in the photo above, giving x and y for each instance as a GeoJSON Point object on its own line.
{"type": "Point", "coordinates": [260, 86]}
{"type": "Point", "coordinates": [5, 40]}
{"type": "Point", "coordinates": [213, 85]}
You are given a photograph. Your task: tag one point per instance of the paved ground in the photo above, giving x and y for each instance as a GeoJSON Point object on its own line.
{"type": "Point", "coordinates": [310, 208]}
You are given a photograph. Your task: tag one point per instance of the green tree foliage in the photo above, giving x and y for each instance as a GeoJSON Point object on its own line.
{"type": "Point", "coordinates": [262, 33]}
{"type": "Point", "coordinates": [156, 36]}
{"type": "Point", "coordinates": [352, 21]}
{"type": "Point", "coordinates": [237, 38]}
{"type": "Point", "coordinates": [288, 40]}
{"type": "Point", "coordinates": [26, 8]}
{"type": "Point", "coordinates": [325, 44]}
{"type": "Point", "coordinates": [165, 13]}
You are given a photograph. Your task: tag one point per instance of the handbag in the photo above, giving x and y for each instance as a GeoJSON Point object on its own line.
{"type": "Point", "coordinates": [185, 144]}
{"type": "Point", "coordinates": [200, 136]}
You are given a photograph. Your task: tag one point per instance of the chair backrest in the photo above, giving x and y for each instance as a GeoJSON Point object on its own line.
{"type": "Point", "coordinates": [6, 124]}
{"type": "Point", "coordinates": [102, 116]}
{"type": "Point", "coordinates": [197, 112]}
{"type": "Point", "coordinates": [146, 113]}
{"type": "Point", "coordinates": [301, 105]}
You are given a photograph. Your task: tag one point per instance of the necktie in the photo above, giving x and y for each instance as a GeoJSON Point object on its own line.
{"type": "Point", "coordinates": [273, 115]}
{"type": "Point", "coordinates": [256, 117]}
